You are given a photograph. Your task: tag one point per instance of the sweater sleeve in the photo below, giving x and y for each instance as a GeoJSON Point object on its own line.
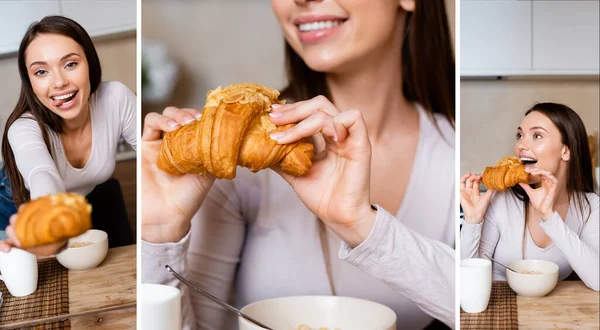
{"type": "Point", "coordinates": [414, 265]}
{"type": "Point", "coordinates": [127, 114]}
{"type": "Point", "coordinates": [208, 257]}
{"type": "Point", "coordinates": [33, 159]}
{"type": "Point", "coordinates": [580, 251]}
{"type": "Point", "coordinates": [480, 240]}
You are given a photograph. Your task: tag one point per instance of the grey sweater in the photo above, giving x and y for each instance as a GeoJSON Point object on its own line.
{"type": "Point", "coordinates": [254, 239]}
{"type": "Point", "coordinates": [574, 241]}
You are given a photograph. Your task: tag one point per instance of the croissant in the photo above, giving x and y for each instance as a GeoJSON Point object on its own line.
{"type": "Point", "coordinates": [52, 218]}
{"type": "Point", "coordinates": [507, 173]}
{"type": "Point", "coordinates": [234, 130]}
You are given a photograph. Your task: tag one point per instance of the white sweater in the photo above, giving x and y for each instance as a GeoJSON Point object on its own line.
{"type": "Point", "coordinates": [113, 114]}
{"type": "Point", "coordinates": [254, 239]}
{"type": "Point", "coordinates": [574, 241]}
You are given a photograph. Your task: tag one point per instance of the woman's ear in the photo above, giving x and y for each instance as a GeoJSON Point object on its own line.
{"type": "Point", "coordinates": [408, 5]}
{"type": "Point", "coordinates": [565, 153]}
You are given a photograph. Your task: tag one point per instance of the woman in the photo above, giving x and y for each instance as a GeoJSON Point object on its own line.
{"type": "Point", "coordinates": [255, 237]}
{"type": "Point", "coordinates": [64, 132]}
{"type": "Point", "coordinates": [555, 216]}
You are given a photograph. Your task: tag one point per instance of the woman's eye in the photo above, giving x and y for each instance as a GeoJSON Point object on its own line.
{"type": "Point", "coordinates": [71, 65]}
{"type": "Point", "coordinates": [40, 72]}
{"type": "Point", "coordinates": [519, 135]}
{"type": "Point", "coordinates": [537, 136]}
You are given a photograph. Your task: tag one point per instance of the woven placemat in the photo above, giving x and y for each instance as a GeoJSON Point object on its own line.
{"type": "Point", "coordinates": [501, 312]}
{"type": "Point", "coordinates": [50, 299]}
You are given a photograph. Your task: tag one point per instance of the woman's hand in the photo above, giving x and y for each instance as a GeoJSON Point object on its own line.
{"type": "Point", "coordinates": [39, 251]}
{"type": "Point", "coordinates": [473, 204]}
{"type": "Point", "coordinates": [337, 187]}
{"type": "Point", "coordinates": [170, 201]}
{"type": "Point", "coordinates": [542, 198]}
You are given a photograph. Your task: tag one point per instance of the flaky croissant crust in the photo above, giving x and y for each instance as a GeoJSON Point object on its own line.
{"type": "Point", "coordinates": [234, 130]}
{"type": "Point", "coordinates": [507, 173]}
{"type": "Point", "coordinates": [52, 218]}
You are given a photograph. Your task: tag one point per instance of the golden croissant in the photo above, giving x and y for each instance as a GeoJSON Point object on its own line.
{"type": "Point", "coordinates": [507, 173]}
{"type": "Point", "coordinates": [53, 218]}
{"type": "Point", "coordinates": [234, 130]}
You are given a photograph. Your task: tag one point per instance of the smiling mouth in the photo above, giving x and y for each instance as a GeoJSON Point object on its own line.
{"type": "Point", "coordinates": [320, 25]}
{"type": "Point", "coordinates": [63, 99]}
{"type": "Point", "coordinates": [527, 161]}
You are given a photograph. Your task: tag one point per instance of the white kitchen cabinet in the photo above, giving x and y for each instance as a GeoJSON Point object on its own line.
{"type": "Point", "coordinates": [100, 17]}
{"type": "Point", "coordinates": [565, 36]}
{"type": "Point", "coordinates": [495, 37]}
{"type": "Point", "coordinates": [17, 15]}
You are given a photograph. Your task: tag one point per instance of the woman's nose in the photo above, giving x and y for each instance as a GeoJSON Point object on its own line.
{"type": "Point", "coordinates": [522, 145]}
{"type": "Point", "coordinates": [59, 80]}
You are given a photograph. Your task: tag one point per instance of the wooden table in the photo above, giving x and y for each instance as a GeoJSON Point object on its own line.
{"type": "Point", "coordinates": [571, 305]}
{"type": "Point", "coordinates": [103, 297]}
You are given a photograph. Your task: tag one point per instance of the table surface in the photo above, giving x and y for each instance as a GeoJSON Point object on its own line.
{"type": "Point", "coordinates": [102, 297]}
{"type": "Point", "coordinates": [571, 305]}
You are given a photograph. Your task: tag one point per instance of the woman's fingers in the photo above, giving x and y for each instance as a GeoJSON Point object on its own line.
{"type": "Point", "coordinates": [5, 246]}
{"type": "Point", "coordinates": [351, 123]}
{"type": "Point", "coordinates": [171, 119]}
{"type": "Point", "coordinates": [12, 236]}
{"type": "Point", "coordinates": [317, 122]}
{"type": "Point", "coordinates": [469, 184]}
{"type": "Point", "coordinates": [155, 124]}
{"type": "Point", "coordinates": [181, 116]}
{"type": "Point", "coordinates": [463, 180]}
{"type": "Point", "coordinates": [296, 112]}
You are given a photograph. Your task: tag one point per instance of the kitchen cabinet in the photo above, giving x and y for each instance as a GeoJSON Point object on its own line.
{"type": "Point", "coordinates": [565, 36]}
{"type": "Point", "coordinates": [101, 17]}
{"type": "Point", "coordinates": [521, 38]}
{"type": "Point", "coordinates": [98, 17]}
{"type": "Point", "coordinates": [495, 36]}
{"type": "Point", "coordinates": [16, 16]}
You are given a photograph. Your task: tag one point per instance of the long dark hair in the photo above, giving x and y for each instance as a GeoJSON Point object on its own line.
{"type": "Point", "coordinates": [573, 135]}
{"type": "Point", "coordinates": [427, 63]}
{"type": "Point", "coordinates": [28, 101]}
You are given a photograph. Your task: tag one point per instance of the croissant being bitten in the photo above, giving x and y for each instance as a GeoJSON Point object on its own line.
{"type": "Point", "coordinates": [52, 218]}
{"type": "Point", "coordinates": [507, 173]}
{"type": "Point", "coordinates": [234, 130]}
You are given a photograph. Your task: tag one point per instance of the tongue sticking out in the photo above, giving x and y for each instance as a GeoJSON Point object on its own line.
{"type": "Point", "coordinates": [58, 103]}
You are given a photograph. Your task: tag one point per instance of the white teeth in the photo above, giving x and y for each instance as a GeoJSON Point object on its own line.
{"type": "Point", "coordinates": [62, 97]}
{"type": "Point", "coordinates": [527, 159]}
{"type": "Point", "coordinates": [307, 27]}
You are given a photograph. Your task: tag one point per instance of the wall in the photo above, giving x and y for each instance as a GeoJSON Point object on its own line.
{"type": "Point", "coordinates": [492, 110]}
{"type": "Point", "coordinates": [117, 57]}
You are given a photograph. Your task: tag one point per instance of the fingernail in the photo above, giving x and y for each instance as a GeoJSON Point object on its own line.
{"type": "Point", "coordinates": [275, 114]}
{"type": "Point", "coordinates": [276, 106]}
{"type": "Point", "coordinates": [198, 116]}
{"type": "Point", "coordinates": [335, 137]}
{"type": "Point", "coordinates": [189, 121]}
{"type": "Point", "coordinates": [173, 123]}
{"type": "Point", "coordinates": [277, 136]}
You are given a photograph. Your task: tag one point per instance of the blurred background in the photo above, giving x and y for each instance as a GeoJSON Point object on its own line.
{"type": "Point", "coordinates": [515, 53]}
{"type": "Point", "coordinates": [112, 26]}
{"type": "Point", "coordinates": [191, 47]}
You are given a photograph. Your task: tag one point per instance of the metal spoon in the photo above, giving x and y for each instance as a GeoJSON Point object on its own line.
{"type": "Point", "coordinates": [215, 299]}
{"type": "Point", "coordinates": [502, 264]}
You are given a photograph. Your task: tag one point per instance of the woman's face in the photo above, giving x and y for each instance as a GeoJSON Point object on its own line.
{"type": "Point", "coordinates": [539, 144]}
{"type": "Point", "coordinates": [335, 35]}
{"type": "Point", "coordinates": [59, 75]}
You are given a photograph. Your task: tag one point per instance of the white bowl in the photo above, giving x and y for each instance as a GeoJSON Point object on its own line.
{"type": "Point", "coordinates": [331, 312]}
{"type": "Point", "coordinates": [85, 257]}
{"type": "Point", "coordinates": [529, 285]}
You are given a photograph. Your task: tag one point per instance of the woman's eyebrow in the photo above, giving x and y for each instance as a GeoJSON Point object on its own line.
{"type": "Point", "coordinates": [537, 127]}
{"type": "Point", "coordinates": [45, 63]}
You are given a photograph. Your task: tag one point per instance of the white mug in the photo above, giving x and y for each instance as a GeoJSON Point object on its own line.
{"type": "Point", "coordinates": [475, 284]}
{"type": "Point", "coordinates": [161, 307]}
{"type": "Point", "coordinates": [19, 271]}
